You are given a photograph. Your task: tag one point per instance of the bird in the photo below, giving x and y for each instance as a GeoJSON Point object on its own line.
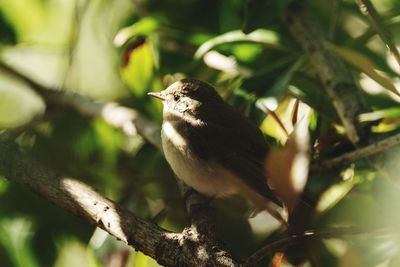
{"type": "Point", "coordinates": [211, 146]}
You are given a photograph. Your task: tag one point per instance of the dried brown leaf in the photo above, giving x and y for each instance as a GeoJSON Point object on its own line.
{"type": "Point", "coordinates": [287, 167]}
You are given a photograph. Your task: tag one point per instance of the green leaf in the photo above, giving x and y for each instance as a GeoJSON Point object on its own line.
{"type": "Point", "coordinates": [380, 114]}
{"type": "Point", "coordinates": [282, 83]}
{"type": "Point", "coordinates": [16, 239]}
{"type": "Point", "coordinates": [18, 104]}
{"type": "Point", "coordinates": [368, 9]}
{"type": "Point", "coordinates": [365, 65]}
{"type": "Point", "coordinates": [4, 184]}
{"type": "Point", "coordinates": [24, 16]}
{"type": "Point", "coordinates": [74, 253]}
{"type": "Point", "coordinates": [140, 259]}
{"type": "Point", "coordinates": [310, 92]}
{"type": "Point", "coordinates": [7, 32]}
{"type": "Point", "coordinates": [138, 71]}
{"type": "Point", "coordinates": [334, 194]}
{"type": "Point", "coordinates": [259, 36]}
{"type": "Point", "coordinates": [145, 27]}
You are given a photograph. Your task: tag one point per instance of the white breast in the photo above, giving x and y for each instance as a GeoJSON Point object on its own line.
{"type": "Point", "coordinates": [194, 172]}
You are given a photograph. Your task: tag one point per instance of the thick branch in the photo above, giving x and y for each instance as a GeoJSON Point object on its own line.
{"type": "Point", "coordinates": [81, 200]}
{"type": "Point", "coordinates": [131, 122]}
{"type": "Point", "coordinates": [333, 73]}
{"type": "Point", "coordinates": [170, 249]}
{"type": "Point", "coordinates": [126, 119]}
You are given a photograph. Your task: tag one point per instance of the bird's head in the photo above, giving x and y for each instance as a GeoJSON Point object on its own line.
{"type": "Point", "coordinates": [187, 96]}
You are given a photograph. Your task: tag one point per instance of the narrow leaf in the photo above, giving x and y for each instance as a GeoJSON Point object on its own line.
{"type": "Point", "coordinates": [145, 27]}
{"type": "Point", "coordinates": [380, 114]}
{"type": "Point", "coordinates": [283, 82]}
{"type": "Point", "coordinates": [259, 36]}
{"type": "Point", "coordinates": [365, 65]}
{"type": "Point", "coordinates": [287, 168]}
{"type": "Point", "coordinates": [139, 67]}
{"type": "Point", "coordinates": [368, 9]}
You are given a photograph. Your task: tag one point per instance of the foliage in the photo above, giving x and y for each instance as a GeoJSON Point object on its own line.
{"type": "Point", "coordinates": [120, 50]}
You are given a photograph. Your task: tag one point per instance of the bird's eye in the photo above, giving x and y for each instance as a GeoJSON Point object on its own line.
{"type": "Point", "coordinates": [176, 97]}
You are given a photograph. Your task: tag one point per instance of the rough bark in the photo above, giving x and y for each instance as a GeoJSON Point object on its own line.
{"type": "Point", "coordinates": [334, 75]}
{"type": "Point", "coordinates": [189, 248]}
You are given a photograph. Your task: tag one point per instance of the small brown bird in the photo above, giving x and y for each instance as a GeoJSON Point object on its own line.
{"type": "Point", "coordinates": [211, 146]}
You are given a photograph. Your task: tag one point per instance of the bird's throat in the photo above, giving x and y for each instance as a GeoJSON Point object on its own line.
{"type": "Point", "coordinates": [172, 135]}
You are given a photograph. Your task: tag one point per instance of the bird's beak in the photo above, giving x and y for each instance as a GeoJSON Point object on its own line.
{"type": "Point", "coordinates": [158, 95]}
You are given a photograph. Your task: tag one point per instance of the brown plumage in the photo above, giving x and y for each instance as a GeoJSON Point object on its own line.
{"type": "Point", "coordinates": [211, 146]}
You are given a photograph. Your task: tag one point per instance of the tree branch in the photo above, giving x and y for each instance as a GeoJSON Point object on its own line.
{"type": "Point", "coordinates": [128, 120]}
{"type": "Point", "coordinates": [188, 248]}
{"type": "Point", "coordinates": [131, 123]}
{"type": "Point", "coordinates": [332, 72]}
{"type": "Point", "coordinates": [364, 152]}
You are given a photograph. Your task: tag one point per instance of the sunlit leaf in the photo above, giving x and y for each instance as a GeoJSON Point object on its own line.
{"type": "Point", "coordinates": [310, 92]}
{"type": "Point", "coordinates": [334, 194]}
{"type": "Point", "coordinates": [280, 123]}
{"type": "Point", "coordinates": [262, 36]}
{"type": "Point", "coordinates": [24, 23]}
{"type": "Point", "coordinates": [139, 67]}
{"type": "Point", "coordinates": [282, 82]}
{"type": "Point", "coordinates": [18, 104]}
{"type": "Point", "coordinates": [271, 126]}
{"type": "Point", "coordinates": [139, 259]}
{"type": "Point", "coordinates": [144, 27]}
{"type": "Point", "coordinates": [287, 168]}
{"type": "Point", "coordinates": [198, 38]}
{"type": "Point", "coordinates": [380, 114]}
{"type": "Point", "coordinates": [368, 9]}
{"type": "Point", "coordinates": [364, 64]}
{"type": "Point", "coordinates": [247, 52]}
{"type": "Point", "coordinates": [228, 65]}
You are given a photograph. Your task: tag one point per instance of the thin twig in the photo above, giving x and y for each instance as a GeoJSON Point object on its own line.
{"type": "Point", "coordinates": [128, 120]}
{"type": "Point", "coordinates": [283, 243]}
{"type": "Point", "coordinates": [364, 152]}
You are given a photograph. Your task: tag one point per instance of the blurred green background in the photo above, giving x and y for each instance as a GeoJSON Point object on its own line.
{"type": "Point", "coordinates": [120, 50]}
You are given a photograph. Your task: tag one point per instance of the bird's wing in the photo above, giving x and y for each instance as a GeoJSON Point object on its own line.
{"type": "Point", "coordinates": [251, 172]}
{"type": "Point", "coordinates": [236, 145]}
